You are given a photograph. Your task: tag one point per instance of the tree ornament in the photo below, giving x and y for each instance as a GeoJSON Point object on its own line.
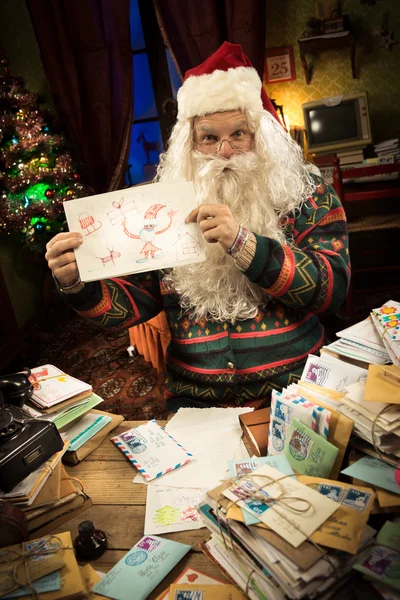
{"type": "Point", "coordinates": [49, 194]}
{"type": "Point", "coordinates": [70, 192]}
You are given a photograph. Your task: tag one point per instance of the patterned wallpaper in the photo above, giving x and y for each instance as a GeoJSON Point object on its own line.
{"type": "Point", "coordinates": [378, 69]}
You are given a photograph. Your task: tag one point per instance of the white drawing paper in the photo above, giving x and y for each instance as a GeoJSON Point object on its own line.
{"type": "Point", "coordinates": [134, 230]}
{"type": "Point", "coordinates": [171, 509]}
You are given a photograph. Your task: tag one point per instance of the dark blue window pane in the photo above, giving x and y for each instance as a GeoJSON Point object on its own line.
{"type": "Point", "coordinates": [173, 74]}
{"type": "Point", "coordinates": [146, 146]}
{"type": "Point", "coordinates": [137, 38]}
{"type": "Point", "coordinates": [144, 105]}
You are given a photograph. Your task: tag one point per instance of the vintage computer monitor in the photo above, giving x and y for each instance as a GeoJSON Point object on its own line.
{"type": "Point", "coordinates": [337, 124]}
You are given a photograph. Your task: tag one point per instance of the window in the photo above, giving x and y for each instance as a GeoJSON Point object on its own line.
{"type": "Point", "coordinates": [151, 89]}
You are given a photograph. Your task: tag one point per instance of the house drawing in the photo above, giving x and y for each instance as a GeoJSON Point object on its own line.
{"type": "Point", "coordinates": [185, 246]}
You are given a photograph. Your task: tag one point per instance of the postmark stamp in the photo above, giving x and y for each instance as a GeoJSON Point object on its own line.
{"type": "Point", "coordinates": [136, 558]}
{"type": "Point", "coordinates": [300, 445]}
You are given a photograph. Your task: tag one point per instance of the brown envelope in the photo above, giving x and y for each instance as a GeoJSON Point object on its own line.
{"type": "Point", "coordinates": [36, 568]}
{"type": "Point", "coordinates": [378, 389]}
{"type": "Point", "coordinates": [305, 556]}
{"type": "Point", "coordinates": [225, 591]}
{"type": "Point", "coordinates": [90, 579]}
{"type": "Point", "coordinates": [94, 442]}
{"type": "Point", "coordinates": [343, 530]}
{"type": "Point", "coordinates": [255, 427]}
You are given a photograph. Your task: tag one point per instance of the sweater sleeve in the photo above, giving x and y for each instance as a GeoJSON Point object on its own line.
{"type": "Point", "coordinates": [120, 302]}
{"type": "Point", "coordinates": [313, 273]}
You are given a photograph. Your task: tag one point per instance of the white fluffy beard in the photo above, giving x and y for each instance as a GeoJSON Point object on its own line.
{"type": "Point", "coordinates": [216, 289]}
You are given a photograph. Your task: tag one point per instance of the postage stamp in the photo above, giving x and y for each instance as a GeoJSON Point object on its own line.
{"type": "Point", "coordinates": [283, 412]}
{"type": "Point", "coordinates": [189, 595]}
{"type": "Point", "coordinates": [334, 492]}
{"type": "Point", "coordinates": [149, 544]}
{"type": "Point", "coordinates": [135, 441]}
{"type": "Point", "coordinates": [356, 499]}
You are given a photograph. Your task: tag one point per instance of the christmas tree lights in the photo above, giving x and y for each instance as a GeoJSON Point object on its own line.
{"type": "Point", "coordinates": [37, 173]}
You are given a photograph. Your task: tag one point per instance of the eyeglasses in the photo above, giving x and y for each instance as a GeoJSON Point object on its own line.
{"type": "Point", "coordinates": [212, 146]}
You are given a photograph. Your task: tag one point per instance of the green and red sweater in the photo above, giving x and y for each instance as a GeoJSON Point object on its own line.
{"type": "Point", "coordinates": [213, 363]}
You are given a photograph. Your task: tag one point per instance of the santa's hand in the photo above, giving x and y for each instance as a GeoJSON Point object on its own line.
{"type": "Point", "coordinates": [61, 258]}
{"type": "Point", "coordinates": [216, 223]}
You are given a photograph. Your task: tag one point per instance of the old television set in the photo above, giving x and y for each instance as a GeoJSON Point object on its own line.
{"type": "Point", "coordinates": [338, 123]}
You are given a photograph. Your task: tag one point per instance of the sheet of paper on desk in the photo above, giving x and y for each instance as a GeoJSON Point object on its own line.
{"type": "Point", "coordinates": [141, 569]}
{"type": "Point", "coordinates": [213, 436]}
{"type": "Point", "coordinates": [136, 229]}
{"type": "Point", "coordinates": [171, 509]}
{"type": "Point", "coordinates": [279, 517]}
{"type": "Point", "coordinates": [376, 472]}
{"type": "Point", "coordinates": [152, 450]}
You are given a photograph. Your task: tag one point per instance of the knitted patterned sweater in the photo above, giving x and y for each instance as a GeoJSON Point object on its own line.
{"type": "Point", "coordinates": [213, 363]}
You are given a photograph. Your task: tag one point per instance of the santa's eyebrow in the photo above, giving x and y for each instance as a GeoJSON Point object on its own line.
{"type": "Point", "coordinates": [204, 128]}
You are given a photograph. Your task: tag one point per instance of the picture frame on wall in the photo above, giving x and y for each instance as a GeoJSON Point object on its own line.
{"type": "Point", "coordinates": [279, 65]}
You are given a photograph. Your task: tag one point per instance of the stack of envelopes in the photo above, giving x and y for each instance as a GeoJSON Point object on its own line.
{"type": "Point", "coordinates": [279, 535]}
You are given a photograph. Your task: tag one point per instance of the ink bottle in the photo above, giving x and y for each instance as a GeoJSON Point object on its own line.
{"type": "Point", "coordinates": [90, 543]}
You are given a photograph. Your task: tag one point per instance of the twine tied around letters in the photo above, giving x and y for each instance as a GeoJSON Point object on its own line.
{"type": "Point", "coordinates": [273, 504]}
{"type": "Point", "coordinates": [21, 557]}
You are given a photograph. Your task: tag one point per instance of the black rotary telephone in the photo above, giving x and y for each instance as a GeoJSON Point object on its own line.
{"type": "Point", "coordinates": [25, 443]}
{"type": "Point", "coordinates": [16, 388]}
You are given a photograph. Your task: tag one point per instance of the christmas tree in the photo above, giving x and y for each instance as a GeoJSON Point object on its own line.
{"type": "Point", "coordinates": [37, 173]}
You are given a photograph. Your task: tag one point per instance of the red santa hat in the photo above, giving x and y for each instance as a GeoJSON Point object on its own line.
{"type": "Point", "coordinates": [150, 216]}
{"type": "Point", "coordinates": [225, 81]}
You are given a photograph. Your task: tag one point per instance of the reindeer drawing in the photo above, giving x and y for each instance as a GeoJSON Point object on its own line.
{"type": "Point", "coordinates": [147, 146]}
{"type": "Point", "coordinates": [110, 257]}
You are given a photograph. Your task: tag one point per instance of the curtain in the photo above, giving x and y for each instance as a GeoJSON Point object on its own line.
{"type": "Point", "coordinates": [194, 30]}
{"type": "Point", "coordinates": [87, 58]}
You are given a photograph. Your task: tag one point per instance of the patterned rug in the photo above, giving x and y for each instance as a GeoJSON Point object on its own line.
{"type": "Point", "coordinates": [129, 386]}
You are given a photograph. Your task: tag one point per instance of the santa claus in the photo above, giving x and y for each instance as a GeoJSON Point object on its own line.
{"type": "Point", "coordinates": [244, 321]}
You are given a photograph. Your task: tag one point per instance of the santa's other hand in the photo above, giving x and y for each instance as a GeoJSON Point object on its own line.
{"type": "Point", "coordinates": [216, 223]}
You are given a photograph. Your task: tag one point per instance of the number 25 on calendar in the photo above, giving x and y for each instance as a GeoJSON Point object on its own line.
{"type": "Point", "coordinates": [279, 64]}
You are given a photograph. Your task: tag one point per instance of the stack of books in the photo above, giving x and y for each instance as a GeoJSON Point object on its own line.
{"type": "Point", "coordinates": [48, 497]}
{"type": "Point", "coordinates": [351, 158]}
{"type": "Point", "coordinates": [389, 148]}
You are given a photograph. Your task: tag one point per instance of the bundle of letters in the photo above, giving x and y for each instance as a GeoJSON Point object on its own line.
{"type": "Point", "coordinates": [49, 570]}
{"type": "Point", "coordinates": [59, 397]}
{"type": "Point", "coordinates": [280, 535]}
{"type": "Point", "coordinates": [71, 405]}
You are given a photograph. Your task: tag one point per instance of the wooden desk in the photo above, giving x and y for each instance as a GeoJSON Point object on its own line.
{"type": "Point", "coordinates": [119, 509]}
